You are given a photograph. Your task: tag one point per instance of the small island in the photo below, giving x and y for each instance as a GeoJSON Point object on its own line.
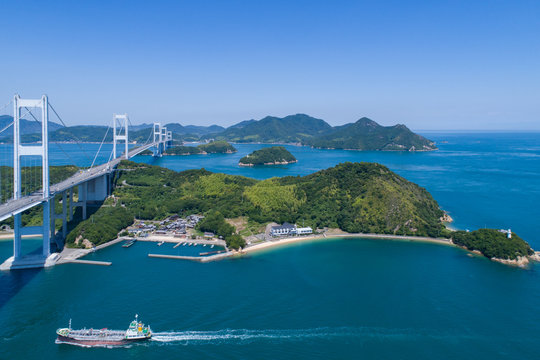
{"type": "Point", "coordinates": [217, 147]}
{"type": "Point", "coordinates": [214, 147]}
{"type": "Point", "coordinates": [275, 155]}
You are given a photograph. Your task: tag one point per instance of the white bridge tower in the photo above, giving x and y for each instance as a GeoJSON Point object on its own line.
{"type": "Point", "coordinates": [42, 150]}
{"type": "Point", "coordinates": [120, 122]}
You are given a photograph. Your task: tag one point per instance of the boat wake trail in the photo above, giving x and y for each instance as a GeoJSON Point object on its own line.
{"type": "Point", "coordinates": [282, 335]}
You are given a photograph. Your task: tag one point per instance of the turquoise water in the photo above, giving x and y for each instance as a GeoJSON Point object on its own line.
{"type": "Point", "coordinates": [348, 298]}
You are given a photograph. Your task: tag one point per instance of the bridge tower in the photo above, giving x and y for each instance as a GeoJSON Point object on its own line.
{"type": "Point", "coordinates": [120, 122]}
{"type": "Point", "coordinates": [169, 139]}
{"type": "Point", "coordinates": [158, 149]}
{"type": "Point", "coordinates": [19, 151]}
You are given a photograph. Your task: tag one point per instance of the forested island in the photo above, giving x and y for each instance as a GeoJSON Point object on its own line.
{"type": "Point", "coordinates": [358, 198]}
{"type": "Point", "coordinates": [214, 147]}
{"type": "Point", "coordinates": [274, 155]}
{"type": "Point", "coordinates": [364, 134]}
{"type": "Point", "coordinates": [493, 244]}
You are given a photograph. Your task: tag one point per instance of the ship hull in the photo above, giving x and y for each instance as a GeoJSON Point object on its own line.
{"type": "Point", "coordinates": [95, 342]}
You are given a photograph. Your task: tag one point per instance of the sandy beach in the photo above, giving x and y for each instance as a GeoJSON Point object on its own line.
{"type": "Point", "coordinates": [316, 237]}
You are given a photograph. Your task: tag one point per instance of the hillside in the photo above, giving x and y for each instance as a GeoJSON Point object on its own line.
{"type": "Point", "coordinates": [355, 197]}
{"type": "Point", "coordinates": [179, 150]}
{"type": "Point", "coordinates": [274, 155]}
{"type": "Point", "coordinates": [290, 129]}
{"type": "Point", "coordinates": [366, 134]}
{"type": "Point", "coordinates": [27, 126]}
{"type": "Point", "coordinates": [217, 147]}
{"type": "Point", "coordinates": [493, 244]}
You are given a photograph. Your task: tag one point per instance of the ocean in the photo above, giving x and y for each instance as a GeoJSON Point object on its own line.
{"type": "Point", "coordinates": [343, 299]}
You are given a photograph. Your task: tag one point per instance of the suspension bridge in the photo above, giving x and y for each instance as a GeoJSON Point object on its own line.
{"type": "Point", "coordinates": [94, 184]}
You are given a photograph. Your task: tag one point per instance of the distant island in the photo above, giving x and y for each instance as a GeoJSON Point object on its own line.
{"type": "Point", "coordinates": [366, 134]}
{"type": "Point", "coordinates": [217, 147]}
{"type": "Point", "coordinates": [275, 155]}
{"type": "Point", "coordinates": [214, 147]}
{"type": "Point", "coordinates": [301, 129]}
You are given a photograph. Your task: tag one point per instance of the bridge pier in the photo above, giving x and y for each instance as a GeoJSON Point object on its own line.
{"type": "Point", "coordinates": [17, 237]}
{"type": "Point", "coordinates": [63, 216]}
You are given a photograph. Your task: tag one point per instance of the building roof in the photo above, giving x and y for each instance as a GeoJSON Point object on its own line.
{"type": "Point", "coordinates": [285, 225]}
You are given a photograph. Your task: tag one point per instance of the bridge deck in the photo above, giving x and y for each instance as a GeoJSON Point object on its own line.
{"type": "Point", "coordinates": [13, 207]}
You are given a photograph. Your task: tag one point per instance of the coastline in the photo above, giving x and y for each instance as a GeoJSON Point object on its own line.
{"type": "Point", "coordinates": [297, 239]}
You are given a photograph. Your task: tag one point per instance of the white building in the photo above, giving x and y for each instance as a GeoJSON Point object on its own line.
{"type": "Point", "coordinates": [304, 230]}
{"type": "Point", "coordinates": [290, 229]}
{"type": "Point", "coordinates": [284, 229]}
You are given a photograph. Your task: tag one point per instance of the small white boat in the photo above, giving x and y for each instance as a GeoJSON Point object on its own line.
{"type": "Point", "coordinates": [211, 247]}
{"type": "Point", "coordinates": [184, 244]}
{"type": "Point", "coordinates": [160, 243]}
{"type": "Point", "coordinates": [204, 245]}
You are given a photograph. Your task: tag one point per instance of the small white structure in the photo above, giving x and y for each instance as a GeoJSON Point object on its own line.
{"type": "Point", "coordinates": [304, 230]}
{"type": "Point", "coordinates": [507, 232]}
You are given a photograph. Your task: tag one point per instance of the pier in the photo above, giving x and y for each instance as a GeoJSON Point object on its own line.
{"type": "Point", "coordinates": [201, 259]}
{"type": "Point", "coordinates": [89, 262]}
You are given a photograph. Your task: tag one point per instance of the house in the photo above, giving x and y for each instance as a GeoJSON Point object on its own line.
{"type": "Point", "coordinates": [284, 229]}
{"type": "Point", "coordinates": [304, 230]}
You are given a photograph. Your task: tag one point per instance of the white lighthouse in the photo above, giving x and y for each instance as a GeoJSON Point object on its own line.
{"type": "Point", "coordinates": [509, 234]}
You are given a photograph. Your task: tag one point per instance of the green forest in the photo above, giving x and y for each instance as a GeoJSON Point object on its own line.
{"type": "Point", "coordinates": [214, 147]}
{"type": "Point", "coordinates": [268, 156]}
{"type": "Point", "coordinates": [366, 134]}
{"type": "Point", "coordinates": [492, 243]}
{"type": "Point", "coordinates": [354, 197]}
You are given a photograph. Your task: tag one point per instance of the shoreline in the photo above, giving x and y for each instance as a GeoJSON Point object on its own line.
{"type": "Point", "coordinates": [298, 239]}
{"type": "Point", "coordinates": [70, 255]}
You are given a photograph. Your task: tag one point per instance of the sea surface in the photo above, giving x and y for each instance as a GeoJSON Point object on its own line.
{"type": "Point", "coordinates": [343, 299]}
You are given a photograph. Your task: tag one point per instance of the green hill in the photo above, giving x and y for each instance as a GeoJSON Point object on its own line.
{"type": "Point", "coordinates": [356, 197]}
{"type": "Point", "coordinates": [366, 134]}
{"type": "Point", "coordinates": [290, 129]}
{"type": "Point", "coordinates": [182, 150]}
{"type": "Point", "coordinates": [492, 243]}
{"type": "Point", "coordinates": [27, 126]}
{"type": "Point", "coordinates": [217, 147]}
{"type": "Point", "coordinates": [268, 156]}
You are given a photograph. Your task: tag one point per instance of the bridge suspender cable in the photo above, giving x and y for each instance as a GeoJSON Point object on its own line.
{"type": "Point", "coordinates": [77, 140]}
{"type": "Point", "coordinates": [100, 145]}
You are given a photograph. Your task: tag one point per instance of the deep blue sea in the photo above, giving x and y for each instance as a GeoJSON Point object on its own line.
{"type": "Point", "coordinates": [342, 299]}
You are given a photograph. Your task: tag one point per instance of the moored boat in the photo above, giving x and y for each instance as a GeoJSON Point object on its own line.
{"type": "Point", "coordinates": [136, 331]}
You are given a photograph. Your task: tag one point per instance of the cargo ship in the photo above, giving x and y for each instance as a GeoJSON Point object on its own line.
{"type": "Point", "coordinates": [136, 331]}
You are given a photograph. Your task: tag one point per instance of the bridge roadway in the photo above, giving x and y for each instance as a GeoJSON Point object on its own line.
{"type": "Point", "coordinates": [13, 207]}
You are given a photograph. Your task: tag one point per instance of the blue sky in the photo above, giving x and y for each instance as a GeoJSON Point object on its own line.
{"type": "Point", "coordinates": [427, 64]}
